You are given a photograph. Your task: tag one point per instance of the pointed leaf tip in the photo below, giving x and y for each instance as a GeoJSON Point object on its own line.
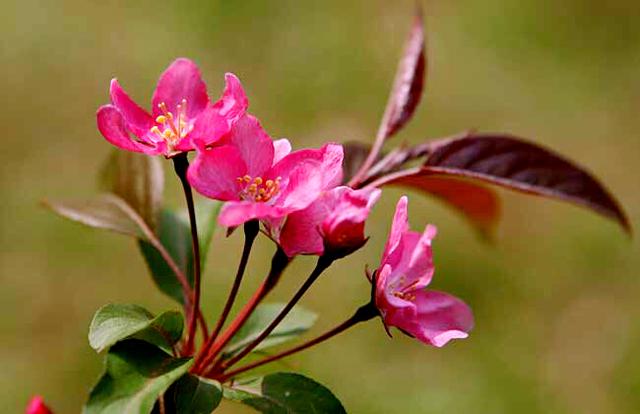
{"type": "Point", "coordinates": [106, 211]}
{"type": "Point", "coordinates": [114, 322]}
{"type": "Point", "coordinates": [408, 83]}
{"type": "Point", "coordinates": [285, 393]}
{"type": "Point", "coordinates": [195, 395]}
{"type": "Point", "coordinates": [519, 165]}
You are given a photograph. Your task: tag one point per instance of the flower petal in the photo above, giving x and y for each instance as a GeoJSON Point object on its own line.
{"type": "Point", "coordinates": [138, 120]}
{"type": "Point", "coordinates": [253, 143]}
{"type": "Point", "coordinates": [332, 157]}
{"type": "Point", "coordinates": [235, 213]}
{"type": "Point", "coordinates": [343, 228]}
{"type": "Point", "coordinates": [111, 124]}
{"type": "Point", "coordinates": [214, 172]}
{"type": "Point", "coordinates": [329, 156]}
{"type": "Point", "coordinates": [399, 225]}
{"type": "Point", "coordinates": [301, 231]}
{"type": "Point", "coordinates": [300, 184]}
{"type": "Point", "coordinates": [350, 206]}
{"type": "Point", "coordinates": [335, 218]}
{"type": "Point", "coordinates": [395, 310]}
{"type": "Point", "coordinates": [441, 318]}
{"type": "Point", "coordinates": [234, 103]}
{"type": "Point", "coordinates": [282, 148]}
{"type": "Point", "coordinates": [412, 261]}
{"type": "Point", "coordinates": [207, 130]}
{"type": "Point", "coordinates": [421, 260]}
{"type": "Point", "coordinates": [181, 80]}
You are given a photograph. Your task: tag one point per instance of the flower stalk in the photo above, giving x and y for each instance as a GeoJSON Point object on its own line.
{"type": "Point", "coordinates": [363, 314]}
{"type": "Point", "coordinates": [251, 230]}
{"type": "Point", "coordinates": [279, 263]}
{"type": "Point", "coordinates": [181, 165]}
{"type": "Point", "coordinates": [323, 263]}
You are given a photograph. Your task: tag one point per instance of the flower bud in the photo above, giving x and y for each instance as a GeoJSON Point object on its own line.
{"type": "Point", "coordinates": [334, 223]}
{"type": "Point", "coordinates": [37, 406]}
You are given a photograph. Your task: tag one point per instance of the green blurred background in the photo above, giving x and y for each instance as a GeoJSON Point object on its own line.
{"type": "Point", "coordinates": [556, 297]}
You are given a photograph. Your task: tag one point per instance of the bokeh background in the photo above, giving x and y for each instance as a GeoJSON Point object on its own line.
{"type": "Point", "coordinates": [555, 298]}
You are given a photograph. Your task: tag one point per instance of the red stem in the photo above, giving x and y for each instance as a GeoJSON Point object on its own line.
{"type": "Point", "coordinates": [278, 263]}
{"type": "Point", "coordinates": [251, 230]}
{"type": "Point", "coordinates": [323, 263]}
{"type": "Point", "coordinates": [362, 314]}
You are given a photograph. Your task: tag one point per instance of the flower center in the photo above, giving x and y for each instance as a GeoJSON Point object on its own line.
{"type": "Point", "coordinates": [170, 127]}
{"type": "Point", "coordinates": [258, 189]}
{"type": "Point", "coordinates": [402, 290]}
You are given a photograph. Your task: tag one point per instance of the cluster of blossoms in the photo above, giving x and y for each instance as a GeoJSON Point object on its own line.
{"type": "Point", "coordinates": [297, 196]}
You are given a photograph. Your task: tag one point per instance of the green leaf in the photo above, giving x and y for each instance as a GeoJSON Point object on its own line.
{"type": "Point", "coordinates": [113, 323]}
{"type": "Point", "coordinates": [138, 179]}
{"type": "Point", "coordinates": [175, 236]}
{"type": "Point", "coordinates": [196, 395]}
{"type": "Point", "coordinates": [285, 393]}
{"type": "Point", "coordinates": [298, 321]}
{"type": "Point", "coordinates": [106, 211]}
{"type": "Point", "coordinates": [136, 374]}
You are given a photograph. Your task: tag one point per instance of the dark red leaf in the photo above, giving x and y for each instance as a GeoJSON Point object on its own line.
{"type": "Point", "coordinates": [519, 165]}
{"type": "Point", "coordinates": [408, 83]}
{"type": "Point", "coordinates": [404, 97]}
{"type": "Point", "coordinates": [354, 155]}
{"type": "Point", "coordinates": [480, 205]}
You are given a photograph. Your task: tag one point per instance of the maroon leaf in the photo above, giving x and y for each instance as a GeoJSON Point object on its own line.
{"type": "Point", "coordinates": [354, 155]}
{"type": "Point", "coordinates": [408, 83]}
{"type": "Point", "coordinates": [404, 97]}
{"type": "Point", "coordinates": [519, 165]}
{"type": "Point", "coordinates": [480, 205]}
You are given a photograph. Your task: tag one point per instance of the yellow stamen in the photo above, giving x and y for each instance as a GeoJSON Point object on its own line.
{"type": "Point", "coordinates": [161, 119]}
{"type": "Point", "coordinates": [257, 188]}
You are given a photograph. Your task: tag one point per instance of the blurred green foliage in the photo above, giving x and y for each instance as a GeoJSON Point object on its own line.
{"type": "Point", "coordinates": [555, 298]}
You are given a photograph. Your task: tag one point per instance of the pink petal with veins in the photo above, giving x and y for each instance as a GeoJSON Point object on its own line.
{"type": "Point", "coordinates": [181, 80]}
{"type": "Point", "coordinates": [214, 172]}
{"type": "Point", "coordinates": [112, 125]}
{"type": "Point", "coordinates": [137, 119]}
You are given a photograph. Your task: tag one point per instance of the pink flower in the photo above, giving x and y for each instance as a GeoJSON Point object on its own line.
{"type": "Point", "coordinates": [181, 113]}
{"type": "Point", "coordinates": [335, 221]}
{"type": "Point", "coordinates": [406, 269]}
{"type": "Point", "coordinates": [37, 406]}
{"type": "Point", "coordinates": [260, 178]}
